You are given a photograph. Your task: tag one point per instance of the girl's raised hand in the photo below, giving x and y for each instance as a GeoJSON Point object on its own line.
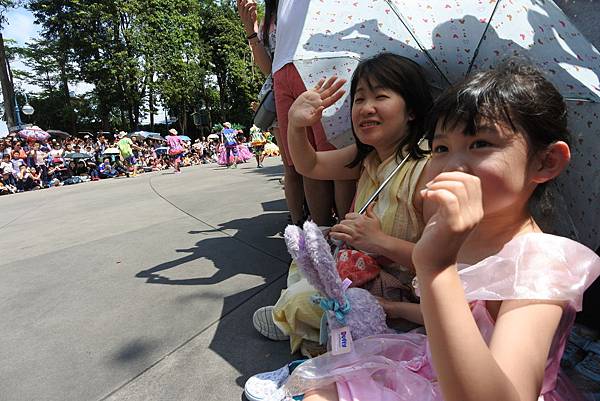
{"type": "Point", "coordinates": [359, 231]}
{"type": "Point", "coordinates": [247, 11]}
{"type": "Point", "coordinates": [457, 199]}
{"type": "Point", "coordinates": [307, 109]}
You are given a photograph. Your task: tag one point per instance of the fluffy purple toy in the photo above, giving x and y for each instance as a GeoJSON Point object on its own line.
{"type": "Point", "coordinates": [364, 316]}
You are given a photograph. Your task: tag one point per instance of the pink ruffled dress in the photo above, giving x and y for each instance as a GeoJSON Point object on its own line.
{"type": "Point", "coordinates": [243, 155]}
{"type": "Point", "coordinates": [398, 367]}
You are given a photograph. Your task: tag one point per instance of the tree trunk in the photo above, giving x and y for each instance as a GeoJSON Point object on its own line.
{"type": "Point", "coordinates": [64, 83]}
{"type": "Point", "coordinates": [131, 116]}
{"type": "Point", "coordinates": [7, 87]}
{"type": "Point", "coordinates": [151, 107]}
{"type": "Point", "coordinates": [221, 82]}
{"type": "Point", "coordinates": [136, 115]}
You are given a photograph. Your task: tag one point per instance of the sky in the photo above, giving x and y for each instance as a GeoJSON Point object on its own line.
{"type": "Point", "coordinates": [21, 27]}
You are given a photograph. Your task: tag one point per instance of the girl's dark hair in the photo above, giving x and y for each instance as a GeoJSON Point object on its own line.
{"type": "Point", "coordinates": [270, 16]}
{"type": "Point", "coordinates": [406, 78]}
{"type": "Point", "coordinates": [514, 94]}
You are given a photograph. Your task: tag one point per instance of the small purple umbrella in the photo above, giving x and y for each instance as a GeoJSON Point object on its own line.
{"type": "Point", "coordinates": [34, 133]}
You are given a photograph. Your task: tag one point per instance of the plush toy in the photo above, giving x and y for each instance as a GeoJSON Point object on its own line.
{"type": "Point", "coordinates": [353, 307]}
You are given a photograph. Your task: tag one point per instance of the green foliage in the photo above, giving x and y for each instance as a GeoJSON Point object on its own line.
{"type": "Point", "coordinates": [139, 54]}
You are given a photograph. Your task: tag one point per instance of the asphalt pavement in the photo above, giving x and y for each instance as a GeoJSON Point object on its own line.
{"type": "Point", "coordinates": [141, 288]}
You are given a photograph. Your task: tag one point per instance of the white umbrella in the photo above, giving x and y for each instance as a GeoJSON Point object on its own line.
{"type": "Point", "coordinates": [111, 151]}
{"type": "Point", "coordinates": [451, 40]}
{"type": "Point", "coordinates": [213, 136]}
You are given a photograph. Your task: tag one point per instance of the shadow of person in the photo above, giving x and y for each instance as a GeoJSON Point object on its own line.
{"type": "Point", "coordinates": [565, 54]}
{"type": "Point", "coordinates": [254, 250]}
{"type": "Point", "coordinates": [365, 39]}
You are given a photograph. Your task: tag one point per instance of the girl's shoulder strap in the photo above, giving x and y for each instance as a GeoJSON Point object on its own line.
{"type": "Point", "coordinates": [533, 266]}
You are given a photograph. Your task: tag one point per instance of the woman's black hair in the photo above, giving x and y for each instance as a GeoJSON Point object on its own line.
{"type": "Point", "coordinates": [514, 94]}
{"type": "Point", "coordinates": [270, 16]}
{"type": "Point", "coordinates": [406, 78]}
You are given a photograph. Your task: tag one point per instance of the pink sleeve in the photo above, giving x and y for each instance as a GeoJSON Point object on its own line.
{"type": "Point", "coordinates": [534, 266]}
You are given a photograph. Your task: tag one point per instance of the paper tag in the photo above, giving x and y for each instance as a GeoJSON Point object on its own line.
{"type": "Point", "coordinates": [341, 341]}
{"type": "Point", "coordinates": [346, 283]}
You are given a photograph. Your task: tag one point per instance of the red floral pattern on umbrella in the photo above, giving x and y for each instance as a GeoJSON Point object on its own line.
{"type": "Point", "coordinates": [34, 133]}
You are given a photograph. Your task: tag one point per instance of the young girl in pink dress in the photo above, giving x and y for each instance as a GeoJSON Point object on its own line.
{"type": "Point", "coordinates": [498, 296]}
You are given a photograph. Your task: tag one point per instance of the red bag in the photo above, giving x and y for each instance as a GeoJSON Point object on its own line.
{"type": "Point", "coordinates": [356, 266]}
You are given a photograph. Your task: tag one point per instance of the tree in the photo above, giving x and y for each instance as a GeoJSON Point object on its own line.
{"type": "Point", "coordinates": [138, 54]}
{"type": "Point", "coordinates": [238, 82]}
{"type": "Point", "coordinates": [173, 54]}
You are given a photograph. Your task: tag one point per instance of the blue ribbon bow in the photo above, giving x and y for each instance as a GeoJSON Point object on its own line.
{"type": "Point", "coordinates": [340, 312]}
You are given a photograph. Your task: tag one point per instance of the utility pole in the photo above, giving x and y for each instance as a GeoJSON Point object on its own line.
{"type": "Point", "coordinates": [8, 92]}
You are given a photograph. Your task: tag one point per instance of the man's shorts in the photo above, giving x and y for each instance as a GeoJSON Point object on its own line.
{"type": "Point", "coordinates": [130, 160]}
{"type": "Point", "coordinates": [232, 149]}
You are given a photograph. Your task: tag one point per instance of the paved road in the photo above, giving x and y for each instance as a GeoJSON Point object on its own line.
{"type": "Point", "coordinates": [141, 288]}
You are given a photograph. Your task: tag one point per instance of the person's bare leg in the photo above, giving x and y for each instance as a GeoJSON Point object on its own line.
{"type": "Point", "coordinates": [344, 195]}
{"type": "Point", "coordinates": [319, 196]}
{"type": "Point", "coordinates": [328, 393]}
{"type": "Point", "coordinates": [294, 193]}
{"type": "Point", "coordinates": [293, 185]}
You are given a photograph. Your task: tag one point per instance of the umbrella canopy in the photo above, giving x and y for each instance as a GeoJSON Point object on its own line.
{"type": "Point", "coordinates": [145, 134]}
{"type": "Point", "coordinates": [58, 134]}
{"type": "Point", "coordinates": [77, 155]}
{"type": "Point", "coordinates": [161, 151]}
{"type": "Point", "coordinates": [137, 135]}
{"type": "Point", "coordinates": [111, 151]}
{"type": "Point", "coordinates": [452, 40]}
{"type": "Point", "coordinates": [34, 133]}
{"type": "Point", "coordinates": [155, 136]}
{"type": "Point", "coordinates": [213, 136]}
{"type": "Point", "coordinates": [185, 138]}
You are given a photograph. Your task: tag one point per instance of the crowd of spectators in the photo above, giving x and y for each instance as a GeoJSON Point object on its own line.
{"type": "Point", "coordinates": [32, 165]}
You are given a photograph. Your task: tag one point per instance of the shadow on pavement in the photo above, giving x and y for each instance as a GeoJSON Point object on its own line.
{"type": "Point", "coordinates": [134, 350]}
{"type": "Point", "coordinates": [254, 249]}
{"type": "Point", "coordinates": [231, 255]}
{"type": "Point", "coordinates": [269, 171]}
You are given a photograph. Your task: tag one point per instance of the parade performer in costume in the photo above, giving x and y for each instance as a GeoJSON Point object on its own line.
{"type": "Point", "coordinates": [258, 142]}
{"type": "Point", "coordinates": [176, 149]}
{"type": "Point", "coordinates": [229, 145]}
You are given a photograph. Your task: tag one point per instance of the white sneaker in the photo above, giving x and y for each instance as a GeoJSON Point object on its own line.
{"type": "Point", "coordinates": [263, 323]}
{"type": "Point", "coordinates": [267, 386]}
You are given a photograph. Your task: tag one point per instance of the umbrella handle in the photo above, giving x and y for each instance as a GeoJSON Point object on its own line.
{"type": "Point", "coordinates": [386, 181]}
{"type": "Point", "coordinates": [378, 191]}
